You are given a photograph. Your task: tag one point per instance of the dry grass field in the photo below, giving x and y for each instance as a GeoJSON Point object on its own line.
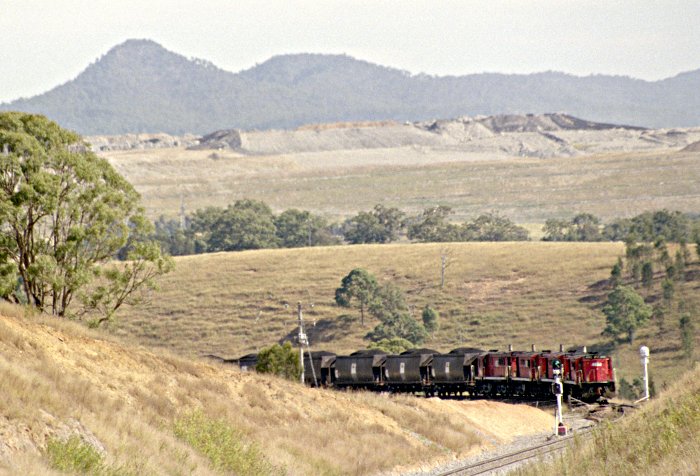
{"type": "Point", "coordinates": [74, 401]}
{"type": "Point", "coordinates": [495, 294]}
{"type": "Point", "coordinates": [341, 183]}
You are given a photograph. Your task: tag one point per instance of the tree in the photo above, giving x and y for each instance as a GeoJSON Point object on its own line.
{"type": "Point", "coordinates": [296, 228]}
{"type": "Point", "coordinates": [64, 215]}
{"type": "Point", "coordinates": [280, 360]}
{"type": "Point", "coordinates": [359, 286]}
{"type": "Point", "coordinates": [381, 225]}
{"type": "Point", "coordinates": [173, 239]}
{"type": "Point", "coordinates": [392, 221]}
{"type": "Point", "coordinates": [625, 312]}
{"type": "Point", "coordinates": [388, 301]}
{"type": "Point", "coordinates": [493, 227]}
{"type": "Point", "coordinates": [679, 265]}
{"type": "Point", "coordinates": [555, 230]}
{"type": "Point", "coordinates": [201, 224]}
{"type": "Point", "coordinates": [394, 345]}
{"type": "Point", "coordinates": [616, 273]}
{"type": "Point", "coordinates": [647, 275]}
{"type": "Point", "coordinates": [431, 319]}
{"type": "Point", "coordinates": [585, 227]}
{"type": "Point", "coordinates": [244, 225]}
{"type": "Point", "coordinates": [399, 325]}
{"type": "Point", "coordinates": [445, 262]}
{"type": "Point", "coordinates": [687, 335]}
{"type": "Point", "coordinates": [432, 226]}
{"type": "Point", "coordinates": [363, 228]}
{"type": "Point", "coordinates": [668, 291]}
{"type": "Point", "coordinates": [618, 230]}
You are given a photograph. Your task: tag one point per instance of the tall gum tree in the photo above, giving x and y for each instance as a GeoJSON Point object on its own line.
{"type": "Point", "coordinates": [64, 214]}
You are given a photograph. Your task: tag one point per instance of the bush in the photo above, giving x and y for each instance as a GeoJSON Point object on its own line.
{"type": "Point", "coordinates": [430, 319]}
{"type": "Point", "coordinates": [279, 360]}
{"type": "Point", "coordinates": [74, 455]}
{"type": "Point", "coordinates": [223, 445]}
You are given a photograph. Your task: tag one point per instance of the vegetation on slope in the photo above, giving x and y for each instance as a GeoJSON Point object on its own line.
{"type": "Point", "coordinates": [662, 438]}
{"type": "Point", "coordinates": [75, 401]}
{"type": "Point", "coordinates": [494, 294]}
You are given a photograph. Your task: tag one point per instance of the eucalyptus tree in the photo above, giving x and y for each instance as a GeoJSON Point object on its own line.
{"type": "Point", "coordinates": [64, 215]}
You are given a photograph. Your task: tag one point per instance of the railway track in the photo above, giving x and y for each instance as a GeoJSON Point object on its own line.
{"type": "Point", "coordinates": [594, 412]}
{"type": "Point", "coordinates": [490, 465]}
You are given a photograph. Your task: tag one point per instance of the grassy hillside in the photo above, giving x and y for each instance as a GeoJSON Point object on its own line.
{"type": "Point", "coordinates": [662, 438]}
{"type": "Point", "coordinates": [341, 183]}
{"type": "Point", "coordinates": [75, 401]}
{"type": "Point", "coordinates": [495, 294]}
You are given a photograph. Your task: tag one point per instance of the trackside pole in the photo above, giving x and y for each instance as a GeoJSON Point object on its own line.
{"type": "Point", "coordinates": [558, 390]}
{"type": "Point", "coordinates": [304, 341]}
{"type": "Point", "coordinates": [559, 428]}
{"type": "Point", "coordinates": [644, 355]}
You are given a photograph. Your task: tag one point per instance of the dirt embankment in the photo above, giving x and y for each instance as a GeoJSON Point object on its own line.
{"type": "Point", "coordinates": [59, 379]}
{"type": "Point", "coordinates": [525, 135]}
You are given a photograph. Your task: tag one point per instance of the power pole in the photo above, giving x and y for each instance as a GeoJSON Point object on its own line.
{"type": "Point", "coordinates": [304, 341]}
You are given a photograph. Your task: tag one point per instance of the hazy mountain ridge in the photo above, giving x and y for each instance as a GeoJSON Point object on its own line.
{"type": "Point", "coordinates": [138, 86]}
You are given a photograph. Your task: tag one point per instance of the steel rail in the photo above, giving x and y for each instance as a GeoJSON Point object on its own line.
{"type": "Point", "coordinates": [486, 466]}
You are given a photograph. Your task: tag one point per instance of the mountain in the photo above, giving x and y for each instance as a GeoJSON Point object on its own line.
{"type": "Point", "coordinates": [139, 86]}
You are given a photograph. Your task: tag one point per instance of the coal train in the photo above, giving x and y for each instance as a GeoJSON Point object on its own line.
{"type": "Point", "coordinates": [466, 372]}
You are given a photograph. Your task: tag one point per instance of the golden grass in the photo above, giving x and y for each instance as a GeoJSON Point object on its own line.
{"type": "Point", "coordinates": [341, 183]}
{"type": "Point", "coordinates": [60, 381]}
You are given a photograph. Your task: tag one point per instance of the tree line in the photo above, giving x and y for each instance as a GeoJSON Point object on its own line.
{"type": "Point", "coordinates": [251, 224]}
{"type": "Point", "coordinates": [670, 226]}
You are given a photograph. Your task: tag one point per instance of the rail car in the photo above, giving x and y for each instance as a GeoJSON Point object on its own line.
{"type": "Point", "coordinates": [465, 372]}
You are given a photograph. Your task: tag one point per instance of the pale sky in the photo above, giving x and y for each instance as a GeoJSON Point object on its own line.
{"type": "Point", "coordinates": [46, 43]}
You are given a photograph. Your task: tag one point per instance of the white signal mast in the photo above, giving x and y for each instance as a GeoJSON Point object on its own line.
{"type": "Point", "coordinates": [644, 357]}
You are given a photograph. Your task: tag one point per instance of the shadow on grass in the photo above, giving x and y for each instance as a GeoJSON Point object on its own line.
{"type": "Point", "coordinates": [324, 330]}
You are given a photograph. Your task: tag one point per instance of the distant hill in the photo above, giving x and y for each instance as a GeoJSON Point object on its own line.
{"type": "Point", "coordinates": [139, 86]}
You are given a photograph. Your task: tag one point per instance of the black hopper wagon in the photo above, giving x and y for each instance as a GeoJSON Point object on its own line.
{"type": "Point", "coordinates": [318, 368]}
{"type": "Point", "coordinates": [363, 369]}
{"type": "Point", "coordinates": [455, 373]}
{"type": "Point", "coordinates": [409, 372]}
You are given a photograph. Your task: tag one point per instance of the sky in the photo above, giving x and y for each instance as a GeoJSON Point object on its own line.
{"type": "Point", "coordinates": [46, 43]}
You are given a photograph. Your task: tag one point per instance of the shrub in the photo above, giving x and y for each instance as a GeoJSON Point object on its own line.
{"type": "Point", "coordinates": [223, 445]}
{"type": "Point", "coordinates": [430, 319]}
{"type": "Point", "coordinates": [74, 455]}
{"type": "Point", "coordinates": [279, 360]}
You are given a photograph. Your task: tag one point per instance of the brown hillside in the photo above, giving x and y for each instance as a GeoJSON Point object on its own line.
{"type": "Point", "coordinates": [58, 380]}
